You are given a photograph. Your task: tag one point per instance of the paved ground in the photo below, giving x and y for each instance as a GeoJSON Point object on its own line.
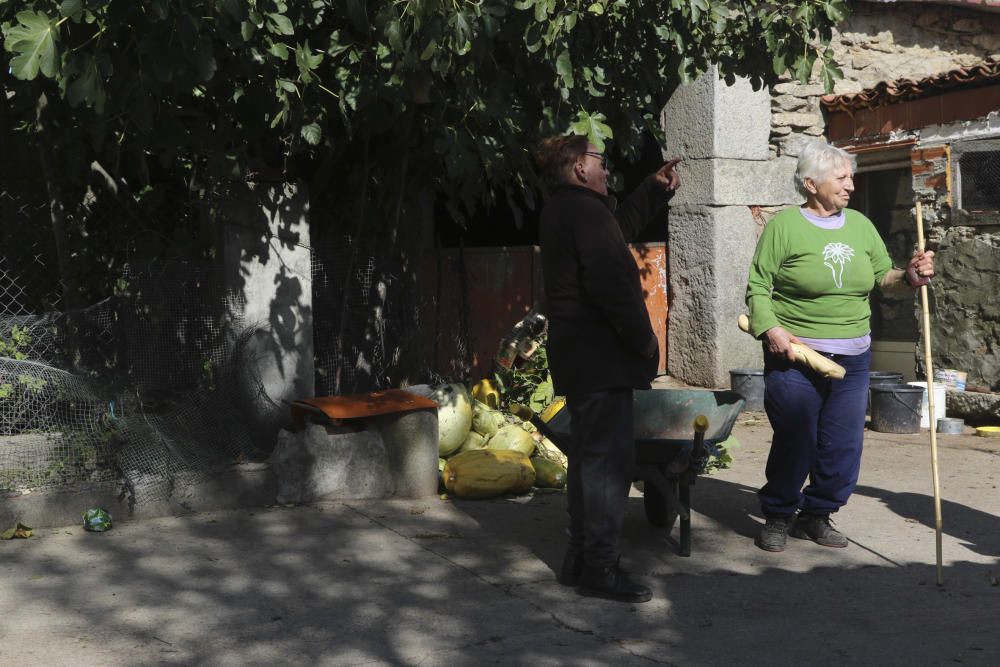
{"type": "Point", "coordinates": [471, 582]}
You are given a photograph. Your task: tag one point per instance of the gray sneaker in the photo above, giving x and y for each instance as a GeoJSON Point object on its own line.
{"type": "Point", "coordinates": [819, 529]}
{"type": "Point", "coordinates": [773, 533]}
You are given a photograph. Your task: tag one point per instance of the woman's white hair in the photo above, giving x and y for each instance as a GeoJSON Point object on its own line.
{"type": "Point", "coordinates": [817, 161]}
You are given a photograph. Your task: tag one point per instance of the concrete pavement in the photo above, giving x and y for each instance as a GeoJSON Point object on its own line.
{"type": "Point", "coordinates": [450, 582]}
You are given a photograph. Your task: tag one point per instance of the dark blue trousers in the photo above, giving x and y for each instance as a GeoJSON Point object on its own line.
{"type": "Point", "coordinates": [601, 466]}
{"type": "Point", "coordinates": [818, 428]}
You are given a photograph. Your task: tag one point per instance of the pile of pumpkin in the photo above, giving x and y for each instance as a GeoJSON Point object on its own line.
{"type": "Point", "coordinates": [485, 451]}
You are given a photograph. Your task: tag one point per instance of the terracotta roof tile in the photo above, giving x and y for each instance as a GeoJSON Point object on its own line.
{"type": "Point", "coordinates": [889, 92]}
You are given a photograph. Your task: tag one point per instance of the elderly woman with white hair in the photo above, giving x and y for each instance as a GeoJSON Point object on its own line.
{"type": "Point", "coordinates": [810, 278]}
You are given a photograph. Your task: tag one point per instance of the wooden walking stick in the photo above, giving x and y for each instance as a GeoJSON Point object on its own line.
{"type": "Point", "coordinates": [932, 422]}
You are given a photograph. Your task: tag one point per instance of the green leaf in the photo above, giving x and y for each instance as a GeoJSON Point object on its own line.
{"type": "Point", "coordinates": [278, 50]}
{"type": "Point", "coordinates": [803, 67]}
{"type": "Point", "coordinates": [306, 59]}
{"type": "Point", "coordinates": [836, 11]}
{"type": "Point", "coordinates": [596, 8]}
{"type": "Point", "coordinates": [394, 34]}
{"type": "Point", "coordinates": [830, 73]}
{"type": "Point", "coordinates": [280, 24]}
{"type": "Point", "coordinates": [33, 39]}
{"type": "Point", "coordinates": [564, 68]}
{"type": "Point", "coordinates": [429, 52]}
{"type": "Point", "coordinates": [778, 64]}
{"type": "Point", "coordinates": [72, 9]}
{"type": "Point", "coordinates": [593, 127]}
{"type": "Point", "coordinates": [542, 395]}
{"type": "Point", "coordinates": [312, 133]}
{"type": "Point", "coordinates": [463, 31]}
{"type": "Point", "coordinates": [247, 30]}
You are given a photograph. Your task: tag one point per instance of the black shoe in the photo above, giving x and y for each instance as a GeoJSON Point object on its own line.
{"type": "Point", "coordinates": [612, 583]}
{"type": "Point", "coordinates": [572, 568]}
{"type": "Point", "coordinates": [819, 529]}
{"type": "Point", "coordinates": [773, 533]}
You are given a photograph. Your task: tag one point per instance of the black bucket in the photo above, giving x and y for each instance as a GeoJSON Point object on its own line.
{"type": "Point", "coordinates": [748, 383]}
{"type": "Point", "coordinates": [885, 377]}
{"type": "Point", "coordinates": [882, 377]}
{"type": "Point", "coordinates": [896, 408]}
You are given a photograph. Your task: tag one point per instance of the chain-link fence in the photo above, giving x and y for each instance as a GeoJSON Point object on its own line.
{"type": "Point", "coordinates": [148, 385]}
{"type": "Point", "coordinates": [160, 389]}
{"type": "Point", "coordinates": [372, 329]}
{"type": "Point", "coordinates": [154, 381]}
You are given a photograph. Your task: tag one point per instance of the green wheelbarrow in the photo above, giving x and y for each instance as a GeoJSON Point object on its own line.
{"type": "Point", "coordinates": [676, 431]}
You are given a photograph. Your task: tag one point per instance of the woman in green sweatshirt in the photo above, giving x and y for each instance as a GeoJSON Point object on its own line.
{"type": "Point", "coordinates": [810, 278]}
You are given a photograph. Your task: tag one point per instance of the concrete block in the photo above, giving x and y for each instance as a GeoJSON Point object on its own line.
{"type": "Point", "coordinates": [268, 273]}
{"type": "Point", "coordinates": [707, 119]}
{"type": "Point", "coordinates": [711, 249]}
{"type": "Point", "coordinates": [411, 445]}
{"type": "Point", "coordinates": [326, 462]}
{"type": "Point", "coordinates": [725, 182]}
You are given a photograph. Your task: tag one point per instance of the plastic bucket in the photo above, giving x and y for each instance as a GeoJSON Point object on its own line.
{"type": "Point", "coordinates": [885, 377]}
{"type": "Point", "coordinates": [951, 378]}
{"type": "Point", "coordinates": [748, 383]}
{"type": "Point", "coordinates": [882, 377]}
{"type": "Point", "coordinates": [940, 397]}
{"type": "Point", "coordinates": [896, 408]}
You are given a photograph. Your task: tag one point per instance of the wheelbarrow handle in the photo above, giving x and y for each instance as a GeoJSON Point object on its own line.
{"type": "Point", "coordinates": [698, 453]}
{"type": "Point", "coordinates": [529, 415]}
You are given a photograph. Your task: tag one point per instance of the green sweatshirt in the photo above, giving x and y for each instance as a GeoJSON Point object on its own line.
{"type": "Point", "coordinates": [815, 282]}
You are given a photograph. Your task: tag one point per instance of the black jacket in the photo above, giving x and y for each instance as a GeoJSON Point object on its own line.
{"type": "Point", "coordinates": [599, 329]}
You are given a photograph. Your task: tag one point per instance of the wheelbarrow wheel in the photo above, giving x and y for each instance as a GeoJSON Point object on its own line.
{"type": "Point", "coordinates": [659, 511]}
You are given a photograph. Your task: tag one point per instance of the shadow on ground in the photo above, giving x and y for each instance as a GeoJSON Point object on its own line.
{"type": "Point", "coordinates": [470, 582]}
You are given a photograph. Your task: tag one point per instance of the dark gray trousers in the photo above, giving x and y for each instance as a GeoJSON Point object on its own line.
{"type": "Point", "coordinates": [601, 467]}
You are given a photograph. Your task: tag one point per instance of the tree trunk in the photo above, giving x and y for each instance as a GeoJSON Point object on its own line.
{"type": "Point", "coordinates": [49, 153]}
{"type": "Point", "coordinates": [57, 215]}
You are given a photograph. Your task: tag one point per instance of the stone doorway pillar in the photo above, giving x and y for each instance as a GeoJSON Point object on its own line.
{"type": "Point", "coordinates": [722, 133]}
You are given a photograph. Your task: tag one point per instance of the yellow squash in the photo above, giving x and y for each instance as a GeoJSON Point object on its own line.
{"type": "Point", "coordinates": [512, 437]}
{"type": "Point", "coordinates": [454, 417]}
{"type": "Point", "coordinates": [486, 393]}
{"type": "Point", "coordinates": [548, 474]}
{"type": "Point", "coordinates": [485, 473]}
{"type": "Point", "coordinates": [472, 441]}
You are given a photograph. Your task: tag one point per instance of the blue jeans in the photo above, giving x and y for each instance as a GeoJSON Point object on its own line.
{"type": "Point", "coordinates": [601, 466]}
{"type": "Point", "coordinates": [818, 428]}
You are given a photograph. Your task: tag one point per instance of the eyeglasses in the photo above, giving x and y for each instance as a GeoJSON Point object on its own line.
{"type": "Point", "coordinates": [600, 156]}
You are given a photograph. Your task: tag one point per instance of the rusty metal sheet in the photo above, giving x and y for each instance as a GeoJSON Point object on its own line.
{"type": "Point", "coordinates": [651, 259]}
{"type": "Point", "coordinates": [354, 406]}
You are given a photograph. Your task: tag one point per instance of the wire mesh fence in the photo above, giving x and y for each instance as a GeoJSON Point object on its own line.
{"type": "Point", "coordinates": [155, 383]}
{"type": "Point", "coordinates": [148, 385]}
{"type": "Point", "coordinates": [161, 383]}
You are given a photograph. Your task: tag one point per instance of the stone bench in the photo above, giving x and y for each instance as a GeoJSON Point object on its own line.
{"type": "Point", "coordinates": [375, 445]}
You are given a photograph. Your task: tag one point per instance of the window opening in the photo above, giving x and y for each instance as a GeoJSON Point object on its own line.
{"type": "Point", "coordinates": [977, 184]}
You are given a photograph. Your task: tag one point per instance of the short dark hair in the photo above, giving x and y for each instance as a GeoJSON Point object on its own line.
{"type": "Point", "coordinates": [556, 154]}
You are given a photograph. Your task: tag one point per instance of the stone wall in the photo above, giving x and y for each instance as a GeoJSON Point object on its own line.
{"type": "Point", "coordinates": [881, 43]}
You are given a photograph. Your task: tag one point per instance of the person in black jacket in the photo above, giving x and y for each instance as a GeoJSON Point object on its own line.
{"type": "Point", "coordinates": [601, 347]}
